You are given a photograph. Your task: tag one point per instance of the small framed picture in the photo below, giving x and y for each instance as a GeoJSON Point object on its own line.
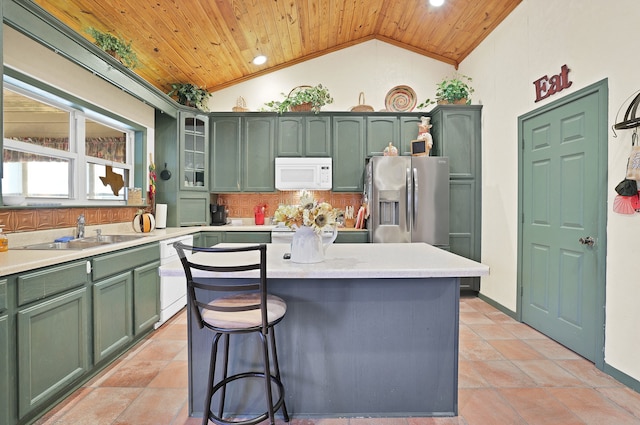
{"type": "Point", "coordinates": [419, 148]}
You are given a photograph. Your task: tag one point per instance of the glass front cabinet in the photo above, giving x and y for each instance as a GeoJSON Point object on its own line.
{"type": "Point", "coordinates": [195, 153]}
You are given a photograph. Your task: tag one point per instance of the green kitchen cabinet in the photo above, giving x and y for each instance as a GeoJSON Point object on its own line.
{"type": "Point", "coordinates": [182, 148]}
{"type": "Point", "coordinates": [247, 237]}
{"type": "Point", "coordinates": [53, 348]}
{"type": "Point", "coordinates": [226, 159]}
{"type": "Point", "coordinates": [141, 265]}
{"type": "Point", "coordinates": [303, 136]}
{"type": "Point", "coordinates": [194, 150]}
{"type": "Point", "coordinates": [208, 239]}
{"type": "Point", "coordinates": [4, 369]}
{"type": "Point", "coordinates": [258, 153]}
{"type": "Point", "coordinates": [348, 144]}
{"type": "Point", "coordinates": [243, 153]}
{"type": "Point", "coordinates": [212, 238]}
{"type": "Point", "coordinates": [112, 315]}
{"type": "Point", "coordinates": [146, 297]}
{"type": "Point", "coordinates": [381, 130]}
{"type": "Point", "coordinates": [408, 132]}
{"type": "Point", "coordinates": [352, 237]}
{"type": "Point", "coordinates": [456, 134]}
{"type": "Point", "coordinates": [5, 376]}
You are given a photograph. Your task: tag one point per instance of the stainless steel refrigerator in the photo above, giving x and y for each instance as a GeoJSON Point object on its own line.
{"type": "Point", "coordinates": [408, 199]}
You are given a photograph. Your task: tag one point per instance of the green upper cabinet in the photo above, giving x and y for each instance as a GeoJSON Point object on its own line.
{"type": "Point", "coordinates": [408, 132]}
{"type": "Point", "coordinates": [226, 162]}
{"type": "Point", "coordinates": [258, 153]}
{"type": "Point", "coordinates": [348, 153]}
{"type": "Point", "coordinates": [304, 136]}
{"type": "Point", "coordinates": [194, 144]}
{"type": "Point", "coordinates": [182, 148]}
{"type": "Point", "coordinates": [243, 153]}
{"type": "Point", "coordinates": [382, 130]}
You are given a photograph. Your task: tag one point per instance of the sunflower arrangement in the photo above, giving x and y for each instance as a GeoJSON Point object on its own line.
{"type": "Point", "coordinates": [317, 215]}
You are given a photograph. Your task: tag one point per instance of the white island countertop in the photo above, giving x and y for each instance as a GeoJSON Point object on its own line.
{"type": "Point", "coordinates": [357, 261]}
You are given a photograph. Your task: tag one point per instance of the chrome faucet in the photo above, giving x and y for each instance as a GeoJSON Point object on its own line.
{"type": "Point", "coordinates": [80, 227]}
{"type": "Point", "coordinates": [99, 234]}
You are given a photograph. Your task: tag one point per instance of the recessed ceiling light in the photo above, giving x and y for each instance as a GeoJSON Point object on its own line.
{"type": "Point", "coordinates": [436, 3]}
{"type": "Point", "coordinates": [259, 60]}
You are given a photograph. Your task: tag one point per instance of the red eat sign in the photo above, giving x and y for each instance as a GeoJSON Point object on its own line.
{"type": "Point", "coordinates": [546, 86]}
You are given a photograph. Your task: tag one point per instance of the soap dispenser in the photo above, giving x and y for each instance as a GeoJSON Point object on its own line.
{"type": "Point", "coordinates": [4, 241]}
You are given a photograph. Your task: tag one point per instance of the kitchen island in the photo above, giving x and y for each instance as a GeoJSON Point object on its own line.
{"type": "Point", "coordinates": [371, 331]}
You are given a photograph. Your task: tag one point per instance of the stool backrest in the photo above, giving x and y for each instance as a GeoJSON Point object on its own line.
{"type": "Point", "coordinates": [224, 271]}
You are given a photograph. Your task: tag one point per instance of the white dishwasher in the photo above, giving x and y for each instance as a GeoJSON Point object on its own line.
{"type": "Point", "coordinates": [173, 289]}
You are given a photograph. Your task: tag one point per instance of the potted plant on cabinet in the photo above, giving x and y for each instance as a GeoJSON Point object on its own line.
{"type": "Point", "coordinates": [115, 46]}
{"type": "Point", "coordinates": [301, 99]}
{"type": "Point", "coordinates": [190, 95]}
{"type": "Point", "coordinates": [455, 90]}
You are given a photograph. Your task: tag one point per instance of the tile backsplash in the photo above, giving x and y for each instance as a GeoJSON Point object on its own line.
{"type": "Point", "coordinates": [242, 204]}
{"type": "Point", "coordinates": [31, 219]}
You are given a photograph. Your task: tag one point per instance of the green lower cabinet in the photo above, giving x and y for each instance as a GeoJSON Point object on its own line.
{"type": "Point", "coordinates": [208, 239]}
{"type": "Point", "coordinates": [53, 348]}
{"type": "Point", "coordinates": [247, 237]}
{"type": "Point", "coordinates": [4, 370]}
{"type": "Point", "coordinates": [112, 310]}
{"type": "Point", "coordinates": [146, 297]}
{"type": "Point", "coordinates": [352, 237]}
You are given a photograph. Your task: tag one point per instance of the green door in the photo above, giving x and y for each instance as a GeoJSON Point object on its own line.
{"type": "Point", "coordinates": [112, 321]}
{"type": "Point", "coordinates": [563, 201]}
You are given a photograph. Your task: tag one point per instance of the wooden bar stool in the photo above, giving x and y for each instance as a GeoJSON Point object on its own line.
{"type": "Point", "coordinates": [227, 296]}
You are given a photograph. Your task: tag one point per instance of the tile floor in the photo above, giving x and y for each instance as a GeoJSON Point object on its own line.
{"type": "Point", "coordinates": [508, 374]}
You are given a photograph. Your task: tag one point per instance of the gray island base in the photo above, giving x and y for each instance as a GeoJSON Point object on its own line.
{"type": "Point", "coordinates": [372, 331]}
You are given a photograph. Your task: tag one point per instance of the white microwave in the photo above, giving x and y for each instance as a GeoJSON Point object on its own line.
{"type": "Point", "coordinates": [303, 173]}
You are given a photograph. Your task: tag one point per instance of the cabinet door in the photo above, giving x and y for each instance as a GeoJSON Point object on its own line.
{"type": "Point", "coordinates": [194, 152]}
{"type": "Point", "coordinates": [348, 154]}
{"type": "Point", "coordinates": [208, 239]}
{"type": "Point", "coordinates": [290, 136]}
{"type": "Point", "coordinates": [459, 132]}
{"type": "Point", "coordinates": [146, 297]}
{"type": "Point", "coordinates": [408, 132]}
{"type": "Point", "coordinates": [380, 132]}
{"type": "Point", "coordinates": [112, 321]}
{"type": "Point", "coordinates": [225, 156]}
{"type": "Point", "coordinates": [4, 370]}
{"type": "Point", "coordinates": [247, 237]}
{"type": "Point", "coordinates": [53, 348]}
{"type": "Point", "coordinates": [258, 152]}
{"type": "Point", "coordinates": [352, 237]}
{"type": "Point", "coordinates": [317, 136]}
{"type": "Point", "coordinates": [193, 209]}
{"type": "Point", "coordinates": [462, 227]}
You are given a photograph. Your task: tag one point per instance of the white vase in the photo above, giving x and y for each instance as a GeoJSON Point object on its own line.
{"type": "Point", "coordinates": [308, 246]}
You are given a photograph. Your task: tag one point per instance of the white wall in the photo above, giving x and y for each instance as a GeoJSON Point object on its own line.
{"type": "Point", "coordinates": [372, 67]}
{"type": "Point", "coordinates": [596, 41]}
{"type": "Point", "coordinates": [30, 58]}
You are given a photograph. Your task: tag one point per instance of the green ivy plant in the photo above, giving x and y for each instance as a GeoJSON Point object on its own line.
{"type": "Point", "coordinates": [452, 90]}
{"type": "Point", "coordinates": [115, 46]}
{"type": "Point", "coordinates": [317, 96]}
{"type": "Point", "coordinates": [190, 95]}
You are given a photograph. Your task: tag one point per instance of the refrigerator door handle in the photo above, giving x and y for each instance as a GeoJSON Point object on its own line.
{"type": "Point", "coordinates": [409, 208]}
{"type": "Point", "coordinates": [416, 202]}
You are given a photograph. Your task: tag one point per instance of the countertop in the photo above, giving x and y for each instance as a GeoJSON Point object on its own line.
{"type": "Point", "coordinates": [17, 260]}
{"type": "Point", "coordinates": [360, 261]}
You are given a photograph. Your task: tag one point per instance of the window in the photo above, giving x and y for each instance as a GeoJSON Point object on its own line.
{"type": "Point", "coordinates": [54, 152]}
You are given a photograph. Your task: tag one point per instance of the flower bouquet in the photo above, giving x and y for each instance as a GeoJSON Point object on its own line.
{"type": "Point", "coordinates": [317, 215]}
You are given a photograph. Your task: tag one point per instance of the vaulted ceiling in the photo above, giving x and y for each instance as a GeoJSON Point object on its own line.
{"type": "Point", "coordinates": [211, 43]}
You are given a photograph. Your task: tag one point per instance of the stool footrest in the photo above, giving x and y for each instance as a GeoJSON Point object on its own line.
{"type": "Point", "coordinates": [256, 419]}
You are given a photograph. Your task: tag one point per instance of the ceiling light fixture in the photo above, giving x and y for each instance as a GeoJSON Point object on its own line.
{"type": "Point", "coordinates": [259, 60]}
{"type": "Point", "coordinates": [436, 3]}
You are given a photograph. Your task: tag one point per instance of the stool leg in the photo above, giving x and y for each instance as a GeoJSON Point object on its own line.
{"type": "Point", "coordinates": [225, 374]}
{"type": "Point", "coordinates": [212, 370]}
{"type": "Point", "coordinates": [267, 377]}
{"type": "Point", "coordinates": [276, 368]}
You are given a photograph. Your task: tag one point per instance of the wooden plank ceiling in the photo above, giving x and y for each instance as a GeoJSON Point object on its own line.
{"type": "Point", "coordinates": [211, 43]}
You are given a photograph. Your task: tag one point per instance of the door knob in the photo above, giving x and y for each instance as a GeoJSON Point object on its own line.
{"type": "Point", "coordinates": [587, 241]}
